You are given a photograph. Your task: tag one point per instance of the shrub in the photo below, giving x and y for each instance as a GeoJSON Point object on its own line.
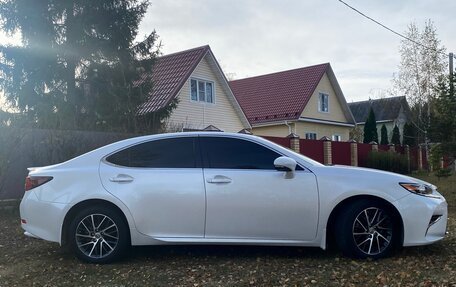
{"type": "Point", "coordinates": [443, 172]}
{"type": "Point", "coordinates": [389, 161]}
{"type": "Point", "coordinates": [435, 156]}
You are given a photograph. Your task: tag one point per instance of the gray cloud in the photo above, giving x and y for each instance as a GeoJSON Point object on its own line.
{"type": "Point", "coordinates": [257, 37]}
{"type": "Point", "coordinates": [253, 37]}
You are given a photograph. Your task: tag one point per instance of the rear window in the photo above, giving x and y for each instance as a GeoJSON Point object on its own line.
{"type": "Point", "coordinates": [165, 153]}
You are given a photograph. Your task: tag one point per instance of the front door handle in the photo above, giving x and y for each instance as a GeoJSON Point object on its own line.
{"type": "Point", "coordinates": [219, 179]}
{"type": "Point", "coordinates": [121, 178]}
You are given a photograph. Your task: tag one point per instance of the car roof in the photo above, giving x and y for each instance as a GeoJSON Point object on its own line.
{"type": "Point", "coordinates": [195, 133]}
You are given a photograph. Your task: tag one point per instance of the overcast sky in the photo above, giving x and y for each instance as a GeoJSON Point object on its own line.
{"type": "Point", "coordinates": [258, 37]}
{"type": "Point", "coordinates": [253, 37]}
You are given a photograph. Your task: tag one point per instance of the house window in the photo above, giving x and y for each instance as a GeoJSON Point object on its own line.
{"type": "Point", "coordinates": [336, 138]}
{"type": "Point", "coordinates": [311, 136]}
{"type": "Point", "coordinates": [202, 91]}
{"type": "Point", "coordinates": [323, 103]}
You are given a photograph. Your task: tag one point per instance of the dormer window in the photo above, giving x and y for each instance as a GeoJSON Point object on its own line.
{"type": "Point", "coordinates": [202, 91]}
{"type": "Point", "coordinates": [323, 103]}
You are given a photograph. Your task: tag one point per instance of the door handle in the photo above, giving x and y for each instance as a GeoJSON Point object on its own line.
{"type": "Point", "coordinates": [121, 178]}
{"type": "Point", "coordinates": [219, 179]}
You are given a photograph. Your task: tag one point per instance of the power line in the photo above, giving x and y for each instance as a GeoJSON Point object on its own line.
{"type": "Point", "coordinates": [391, 30]}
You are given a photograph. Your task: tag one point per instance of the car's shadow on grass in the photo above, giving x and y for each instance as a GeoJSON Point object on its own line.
{"type": "Point", "coordinates": [189, 252]}
{"type": "Point", "coordinates": [442, 248]}
{"type": "Point", "coordinates": [226, 252]}
{"type": "Point", "coordinates": [244, 252]}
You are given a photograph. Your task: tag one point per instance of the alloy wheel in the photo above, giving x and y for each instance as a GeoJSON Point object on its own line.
{"type": "Point", "coordinates": [372, 231]}
{"type": "Point", "coordinates": [97, 236]}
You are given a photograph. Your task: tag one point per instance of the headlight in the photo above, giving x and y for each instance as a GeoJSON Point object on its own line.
{"type": "Point", "coordinates": [421, 189]}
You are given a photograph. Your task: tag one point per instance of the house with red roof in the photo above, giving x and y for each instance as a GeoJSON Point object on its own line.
{"type": "Point", "coordinates": [306, 101]}
{"type": "Point", "coordinates": [205, 100]}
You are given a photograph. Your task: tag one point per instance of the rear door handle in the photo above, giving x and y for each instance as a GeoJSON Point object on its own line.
{"type": "Point", "coordinates": [121, 178]}
{"type": "Point", "coordinates": [219, 179]}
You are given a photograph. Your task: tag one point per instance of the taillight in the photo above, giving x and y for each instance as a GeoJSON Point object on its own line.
{"type": "Point", "coordinates": [35, 181]}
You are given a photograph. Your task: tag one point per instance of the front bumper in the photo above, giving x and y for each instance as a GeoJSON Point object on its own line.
{"type": "Point", "coordinates": [419, 215]}
{"type": "Point", "coordinates": [42, 219]}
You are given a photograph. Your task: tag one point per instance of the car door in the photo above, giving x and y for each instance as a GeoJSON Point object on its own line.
{"type": "Point", "coordinates": [247, 198]}
{"type": "Point", "coordinates": [161, 183]}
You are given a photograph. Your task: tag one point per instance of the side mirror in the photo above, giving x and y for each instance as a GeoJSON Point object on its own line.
{"type": "Point", "coordinates": [285, 163]}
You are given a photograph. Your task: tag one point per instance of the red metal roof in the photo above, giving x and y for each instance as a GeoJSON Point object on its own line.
{"type": "Point", "coordinates": [278, 96]}
{"type": "Point", "coordinates": [170, 72]}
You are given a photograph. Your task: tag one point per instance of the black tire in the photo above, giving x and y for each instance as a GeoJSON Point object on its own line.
{"type": "Point", "coordinates": [367, 229]}
{"type": "Point", "coordinates": [98, 234]}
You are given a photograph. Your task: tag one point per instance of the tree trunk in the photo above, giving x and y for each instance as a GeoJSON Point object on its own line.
{"type": "Point", "coordinates": [70, 55]}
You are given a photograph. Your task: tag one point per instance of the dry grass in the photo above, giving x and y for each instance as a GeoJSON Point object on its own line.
{"type": "Point", "coordinates": [30, 262]}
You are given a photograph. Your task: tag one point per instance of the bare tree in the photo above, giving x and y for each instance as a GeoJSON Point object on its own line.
{"type": "Point", "coordinates": [423, 63]}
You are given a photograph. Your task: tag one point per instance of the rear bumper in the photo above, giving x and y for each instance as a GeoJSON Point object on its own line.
{"type": "Point", "coordinates": [26, 233]}
{"type": "Point", "coordinates": [42, 219]}
{"type": "Point", "coordinates": [418, 215]}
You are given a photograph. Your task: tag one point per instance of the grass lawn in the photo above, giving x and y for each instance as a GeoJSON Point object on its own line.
{"type": "Point", "coordinates": [446, 186]}
{"type": "Point", "coordinates": [30, 262]}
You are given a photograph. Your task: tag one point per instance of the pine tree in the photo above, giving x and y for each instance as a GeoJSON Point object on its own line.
{"type": "Point", "coordinates": [370, 128]}
{"type": "Point", "coordinates": [383, 135]}
{"type": "Point", "coordinates": [443, 124]}
{"type": "Point", "coordinates": [78, 65]}
{"type": "Point", "coordinates": [409, 136]}
{"type": "Point", "coordinates": [396, 138]}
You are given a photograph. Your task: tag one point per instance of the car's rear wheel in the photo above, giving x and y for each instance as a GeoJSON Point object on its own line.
{"type": "Point", "coordinates": [98, 235]}
{"type": "Point", "coordinates": [367, 228]}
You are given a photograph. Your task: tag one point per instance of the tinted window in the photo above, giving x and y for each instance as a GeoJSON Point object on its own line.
{"type": "Point", "coordinates": [237, 154]}
{"type": "Point", "coordinates": [166, 153]}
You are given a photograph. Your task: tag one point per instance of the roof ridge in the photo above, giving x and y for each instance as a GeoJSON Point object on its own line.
{"type": "Point", "coordinates": [285, 71]}
{"type": "Point", "coordinates": [371, 100]}
{"type": "Point", "coordinates": [205, 47]}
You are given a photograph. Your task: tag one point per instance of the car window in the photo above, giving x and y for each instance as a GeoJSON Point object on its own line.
{"type": "Point", "coordinates": [165, 153]}
{"type": "Point", "coordinates": [230, 153]}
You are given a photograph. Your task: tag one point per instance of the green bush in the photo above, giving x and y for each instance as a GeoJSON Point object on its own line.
{"type": "Point", "coordinates": [443, 172]}
{"type": "Point", "coordinates": [389, 161]}
{"type": "Point", "coordinates": [435, 156]}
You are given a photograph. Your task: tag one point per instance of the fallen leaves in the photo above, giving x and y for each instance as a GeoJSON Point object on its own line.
{"type": "Point", "coordinates": [31, 262]}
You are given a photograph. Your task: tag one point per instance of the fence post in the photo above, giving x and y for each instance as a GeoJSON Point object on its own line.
{"type": "Point", "coordinates": [420, 158]}
{"type": "Point", "coordinates": [294, 142]}
{"type": "Point", "coordinates": [407, 154]}
{"type": "Point", "coordinates": [392, 148]}
{"type": "Point", "coordinates": [327, 150]}
{"type": "Point", "coordinates": [353, 152]}
{"type": "Point", "coordinates": [374, 146]}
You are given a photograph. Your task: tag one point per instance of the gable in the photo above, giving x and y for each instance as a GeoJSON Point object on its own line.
{"type": "Point", "coordinates": [335, 113]}
{"type": "Point", "coordinates": [169, 74]}
{"type": "Point", "coordinates": [198, 115]}
{"type": "Point", "coordinates": [278, 96]}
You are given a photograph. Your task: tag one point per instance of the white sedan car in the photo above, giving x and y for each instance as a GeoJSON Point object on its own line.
{"type": "Point", "coordinates": [223, 188]}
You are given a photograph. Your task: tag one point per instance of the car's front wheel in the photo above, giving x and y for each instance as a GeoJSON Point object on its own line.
{"type": "Point", "coordinates": [367, 228]}
{"type": "Point", "coordinates": [98, 235]}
